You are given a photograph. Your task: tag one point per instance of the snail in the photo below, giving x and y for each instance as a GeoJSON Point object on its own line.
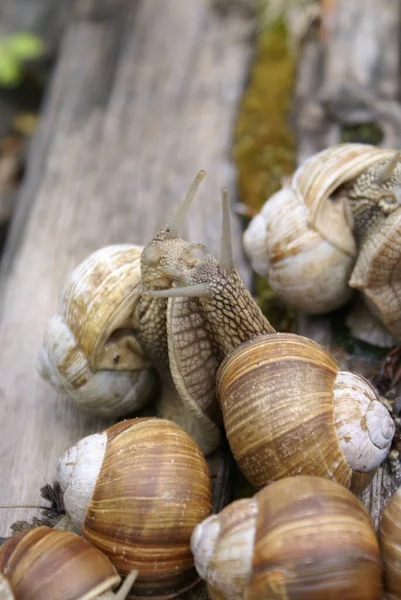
{"type": "Point", "coordinates": [289, 410]}
{"type": "Point", "coordinates": [89, 350]}
{"type": "Point", "coordinates": [182, 332]}
{"type": "Point", "coordinates": [137, 491]}
{"type": "Point", "coordinates": [301, 538]}
{"type": "Point", "coordinates": [192, 311]}
{"type": "Point", "coordinates": [44, 564]}
{"type": "Point", "coordinates": [335, 227]}
{"type": "Point", "coordinates": [390, 542]}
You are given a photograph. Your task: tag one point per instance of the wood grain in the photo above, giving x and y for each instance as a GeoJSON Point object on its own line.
{"type": "Point", "coordinates": [144, 95]}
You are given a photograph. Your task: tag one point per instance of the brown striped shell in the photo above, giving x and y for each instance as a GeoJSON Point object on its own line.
{"type": "Point", "coordinates": [45, 564]}
{"type": "Point", "coordinates": [138, 490]}
{"type": "Point", "coordinates": [90, 351]}
{"type": "Point", "coordinates": [301, 538]}
{"type": "Point", "coordinates": [288, 410]}
{"type": "Point", "coordinates": [390, 542]}
{"type": "Point", "coordinates": [309, 241]}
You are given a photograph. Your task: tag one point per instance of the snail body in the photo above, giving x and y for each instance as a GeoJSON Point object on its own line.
{"type": "Point", "coordinates": [289, 410]}
{"type": "Point", "coordinates": [90, 351]}
{"type": "Point", "coordinates": [44, 564]}
{"type": "Point", "coordinates": [301, 538]}
{"type": "Point", "coordinates": [334, 227]}
{"type": "Point", "coordinates": [209, 312]}
{"type": "Point", "coordinates": [137, 491]}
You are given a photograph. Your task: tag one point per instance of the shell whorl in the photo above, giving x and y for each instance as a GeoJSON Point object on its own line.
{"type": "Point", "coordinates": [78, 470]}
{"type": "Point", "coordinates": [223, 546]}
{"type": "Point", "coordinates": [364, 426]}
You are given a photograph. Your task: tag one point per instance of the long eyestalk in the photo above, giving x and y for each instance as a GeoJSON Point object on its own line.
{"type": "Point", "coordinates": [226, 256]}
{"type": "Point", "coordinates": [389, 168]}
{"type": "Point", "coordinates": [173, 228]}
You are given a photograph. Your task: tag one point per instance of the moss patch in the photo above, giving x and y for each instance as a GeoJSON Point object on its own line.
{"type": "Point", "coordinates": [264, 145]}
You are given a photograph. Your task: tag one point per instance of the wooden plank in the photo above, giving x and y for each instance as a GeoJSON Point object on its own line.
{"type": "Point", "coordinates": [348, 75]}
{"type": "Point", "coordinates": [44, 18]}
{"type": "Point", "coordinates": [144, 95]}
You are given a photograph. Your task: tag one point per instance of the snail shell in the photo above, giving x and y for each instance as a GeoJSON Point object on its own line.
{"type": "Point", "coordinates": [90, 351]}
{"type": "Point", "coordinates": [301, 538]}
{"type": "Point", "coordinates": [335, 226]}
{"type": "Point", "coordinates": [289, 410]}
{"type": "Point", "coordinates": [137, 491]}
{"type": "Point", "coordinates": [44, 564]}
{"type": "Point", "coordinates": [390, 542]}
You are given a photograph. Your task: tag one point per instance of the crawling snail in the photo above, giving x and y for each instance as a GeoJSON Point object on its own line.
{"type": "Point", "coordinates": [44, 564]}
{"type": "Point", "coordinates": [301, 538]}
{"type": "Point", "coordinates": [334, 227]}
{"type": "Point", "coordinates": [193, 311]}
{"type": "Point", "coordinates": [185, 332]}
{"type": "Point", "coordinates": [137, 491]}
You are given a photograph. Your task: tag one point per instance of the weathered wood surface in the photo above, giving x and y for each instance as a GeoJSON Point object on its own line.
{"type": "Point", "coordinates": [144, 95]}
{"type": "Point", "coordinates": [45, 18]}
{"type": "Point", "coordinates": [349, 74]}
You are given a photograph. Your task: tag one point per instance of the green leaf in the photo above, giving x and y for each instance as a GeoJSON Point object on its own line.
{"type": "Point", "coordinates": [25, 46]}
{"type": "Point", "coordinates": [10, 70]}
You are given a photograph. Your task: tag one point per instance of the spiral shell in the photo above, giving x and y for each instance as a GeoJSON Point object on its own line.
{"type": "Point", "coordinates": [44, 564]}
{"type": "Point", "coordinates": [89, 350]}
{"type": "Point", "coordinates": [311, 240]}
{"type": "Point", "coordinates": [288, 410]}
{"type": "Point", "coordinates": [138, 490]}
{"type": "Point", "coordinates": [301, 538]}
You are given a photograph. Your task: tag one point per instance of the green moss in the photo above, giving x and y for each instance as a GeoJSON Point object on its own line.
{"type": "Point", "coordinates": [281, 316]}
{"type": "Point", "coordinates": [362, 133]}
{"type": "Point", "coordinates": [264, 145]}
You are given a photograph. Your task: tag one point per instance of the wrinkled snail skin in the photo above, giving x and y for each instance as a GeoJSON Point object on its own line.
{"type": "Point", "coordinates": [335, 226]}
{"type": "Point", "coordinates": [90, 351]}
{"type": "Point", "coordinates": [301, 538]}
{"type": "Point", "coordinates": [137, 491]}
{"type": "Point", "coordinates": [208, 312]}
{"type": "Point", "coordinates": [390, 543]}
{"type": "Point", "coordinates": [289, 410]}
{"type": "Point", "coordinates": [45, 564]}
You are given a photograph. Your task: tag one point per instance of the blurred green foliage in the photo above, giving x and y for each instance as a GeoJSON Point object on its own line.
{"type": "Point", "coordinates": [14, 52]}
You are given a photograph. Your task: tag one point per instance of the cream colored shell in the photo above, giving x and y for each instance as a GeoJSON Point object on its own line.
{"type": "Point", "coordinates": [302, 239]}
{"type": "Point", "coordinates": [89, 349]}
{"type": "Point", "coordinates": [5, 589]}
